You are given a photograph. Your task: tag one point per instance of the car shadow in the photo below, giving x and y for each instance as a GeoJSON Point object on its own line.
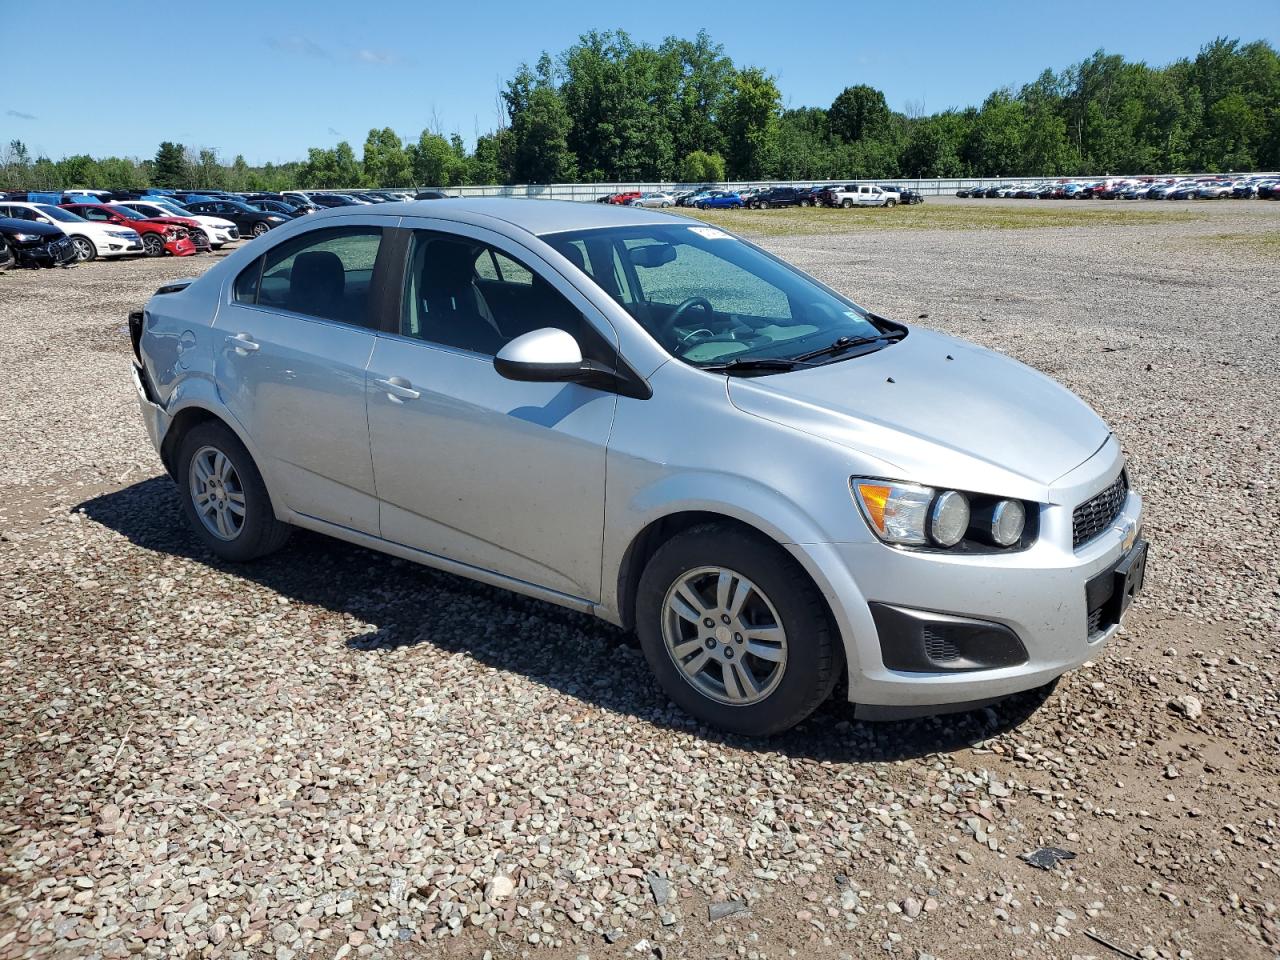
{"type": "Point", "coordinates": [574, 653]}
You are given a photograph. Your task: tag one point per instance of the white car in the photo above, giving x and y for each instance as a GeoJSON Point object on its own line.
{"type": "Point", "coordinates": [654, 200]}
{"type": "Point", "coordinates": [865, 195]}
{"type": "Point", "coordinates": [219, 231]}
{"type": "Point", "coordinates": [90, 239]}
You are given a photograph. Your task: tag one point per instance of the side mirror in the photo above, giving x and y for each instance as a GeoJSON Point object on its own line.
{"type": "Point", "coordinates": [542, 356]}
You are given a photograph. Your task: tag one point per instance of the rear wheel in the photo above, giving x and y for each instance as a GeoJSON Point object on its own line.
{"type": "Point", "coordinates": [153, 245]}
{"type": "Point", "coordinates": [224, 499]}
{"type": "Point", "coordinates": [85, 250]}
{"type": "Point", "coordinates": [846, 203]}
{"type": "Point", "coordinates": [735, 631]}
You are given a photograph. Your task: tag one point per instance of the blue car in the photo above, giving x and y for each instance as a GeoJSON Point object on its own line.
{"type": "Point", "coordinates": [721, 199]}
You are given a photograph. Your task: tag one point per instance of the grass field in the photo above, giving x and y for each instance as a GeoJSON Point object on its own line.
{"type": "Point", "coordinates": [1267, 244]}
{"type": "Point", "coordinates": [795, 221]}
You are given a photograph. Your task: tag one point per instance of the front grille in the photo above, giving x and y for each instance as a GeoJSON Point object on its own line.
{"type": "Point", "coordinates": [1095, 515]}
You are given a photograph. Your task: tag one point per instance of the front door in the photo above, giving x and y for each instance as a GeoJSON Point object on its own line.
{"type": "Point", "coordinates": [498, 474]}
{"type": "Point", "coordinates": [293, 340]}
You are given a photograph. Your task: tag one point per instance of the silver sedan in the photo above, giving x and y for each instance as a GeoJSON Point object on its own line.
{"type": "Point", "coordinates": [643, 417]}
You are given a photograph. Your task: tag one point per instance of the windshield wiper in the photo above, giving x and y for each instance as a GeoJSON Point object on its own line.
{"type": "Point", "coordinates": [842, 344]}
{"type": "Point", "coordinates": [752, 364]}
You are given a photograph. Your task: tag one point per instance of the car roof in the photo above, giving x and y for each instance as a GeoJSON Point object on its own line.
{"type": "Point", "coordinates": [533, 216]}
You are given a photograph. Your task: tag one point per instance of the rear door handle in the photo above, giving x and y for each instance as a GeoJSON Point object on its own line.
{"type": "Point", "coordinates": [244, 344]}
{"type": "Point", "coordinates": [398, 389]}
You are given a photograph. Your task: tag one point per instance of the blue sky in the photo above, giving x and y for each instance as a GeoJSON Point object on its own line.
{"type": "Point", "coordinates": [272, 77]}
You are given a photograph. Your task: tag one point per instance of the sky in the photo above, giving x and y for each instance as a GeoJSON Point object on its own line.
{"type": "Point", "coordinates": [270, 78]}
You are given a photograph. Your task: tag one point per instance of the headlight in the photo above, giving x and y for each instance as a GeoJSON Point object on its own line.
{"type": "Point", "coordinates": [1002, 522]}
{"type": "Point", "coordinates": [908, 514]}
{"type": "Point", "coordinates": [26, 237]}
{"type": "Point", "coordinates": [897, 512]}
{"type": "Point", "coordinates": [276, 218]}
{"type": "Point", "coordinates": [948, 518]}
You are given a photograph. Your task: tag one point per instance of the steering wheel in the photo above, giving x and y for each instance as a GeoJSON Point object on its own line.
{"type": "Point", "coordinates": [684, 307]}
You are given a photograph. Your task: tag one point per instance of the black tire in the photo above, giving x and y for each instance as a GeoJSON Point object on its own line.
{"type": "Point", "coordinates": [260, 228]}
{"type": "Point", "coordinates": [261, 532]}
{"type": "Point", "coordinates": [891, 202]}
{"type": "Point", "coordinates": [814, 660]}
{"type": "Point", "coordinates": [85, 250]}
{"type": "Point", "coordinates": [153, 245]}
{"type": "Point", "coordinates": [846, 203]}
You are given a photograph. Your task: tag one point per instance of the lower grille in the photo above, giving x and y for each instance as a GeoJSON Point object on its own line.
{"type": "Point", "coordinates": [1096, 514]}
{"type": "Point", "coordinates": [940, 647]}
{"type": "Point", "coordinates": [1095, 621]}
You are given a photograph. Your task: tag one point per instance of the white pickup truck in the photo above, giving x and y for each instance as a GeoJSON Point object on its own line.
{"type": "Point", "coordinates": [864, 195]}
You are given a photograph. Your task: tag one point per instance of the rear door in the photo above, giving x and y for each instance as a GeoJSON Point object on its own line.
{"type": "Point", "coordinates": [293, 337]}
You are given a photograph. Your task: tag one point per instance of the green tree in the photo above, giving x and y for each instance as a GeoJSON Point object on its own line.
{"type": "Point", "coordinates": [702, 167]}
{"type": "Point", "coordinates": [170, 167]}
{"type": "Point", "coordinates": [385, 162]}
{"type": "Point", "coordinates": [431, 160]}
{"type": "Point", "coordinates": [540, 127]}
{"type": "Point", "coordinates": [751, 124]}
{"type": "Point", "coordinates": [859, 113]}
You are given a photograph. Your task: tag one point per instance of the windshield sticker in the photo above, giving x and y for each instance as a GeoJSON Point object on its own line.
{"type": "Point", "coordinates": [711, 233]}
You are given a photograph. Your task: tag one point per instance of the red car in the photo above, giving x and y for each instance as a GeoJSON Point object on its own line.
{"type": "Point", "coordinates": [625, 198]}
{"type": "Point", "coordinates": [158, 236]}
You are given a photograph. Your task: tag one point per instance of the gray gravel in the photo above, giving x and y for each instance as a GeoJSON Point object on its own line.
{"type": "Point", "coordinates": [333, 754]}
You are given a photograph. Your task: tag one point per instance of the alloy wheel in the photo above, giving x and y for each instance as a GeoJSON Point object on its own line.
{"type": "Point", "coordinates": [217, 493]}
{"type": "Point", "coordinates": [84, 249]}
{"type": "Point", "coordinates": [724, 636]}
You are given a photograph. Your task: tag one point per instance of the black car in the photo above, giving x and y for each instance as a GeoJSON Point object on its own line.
{"type": "Point", "coordinates": [441, 195]}
{"type": "Point", "coordinates": [905, 194]}
{"type": "Point", "coordinates": [333, 200]}
{"type": "Point", "coordinates": [37, 244]}
{"type": "Point", "coordinates": [293, 205]}
{"type": "Point", "coordinates": [280, 207]}
{"type": "Point", "coordinates": [781, 197]}
{"type": "Point", "coordinates": [250, 221]}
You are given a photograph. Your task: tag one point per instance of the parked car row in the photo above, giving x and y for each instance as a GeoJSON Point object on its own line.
{"type": "Point", "coordinates": [62, 228]}
{"type": "Point", "coordinates": [1135, 188]}
{"type": "Point", "coordinates": [712, 197]}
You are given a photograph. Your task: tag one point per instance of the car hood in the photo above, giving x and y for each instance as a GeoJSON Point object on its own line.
{"type": "Point", "coordinates": [937, 410]}
{"type": "Point", "coordinates": [12, 225]}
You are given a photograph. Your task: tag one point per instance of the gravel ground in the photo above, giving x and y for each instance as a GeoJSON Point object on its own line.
{"type": "Point", "coordinates": [333, 753]}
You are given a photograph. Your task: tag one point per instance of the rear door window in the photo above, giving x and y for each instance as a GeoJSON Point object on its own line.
{"type": "Point", "coordinates": [323, 273]}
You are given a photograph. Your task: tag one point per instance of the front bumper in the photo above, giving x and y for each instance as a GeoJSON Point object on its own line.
{"type": "Point", "coordinates": [1041, 595]}
{"type": "Point", "coordinates": [120, 247]}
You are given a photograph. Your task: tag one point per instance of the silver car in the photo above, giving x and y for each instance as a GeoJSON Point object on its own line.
{"type": "Point", "coordinates": [641, 416]}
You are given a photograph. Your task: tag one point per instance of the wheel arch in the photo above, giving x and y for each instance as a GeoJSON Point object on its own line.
{"type": "Point", "coordinates": [662, 529]}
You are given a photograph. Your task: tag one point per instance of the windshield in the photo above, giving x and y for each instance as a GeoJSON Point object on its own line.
{"type": "Point", "coordinates": [709, 298]}
{"type": "Point", "coordinates": [57, 213]}
{"type": "Point", "coordinates": [171, 209]}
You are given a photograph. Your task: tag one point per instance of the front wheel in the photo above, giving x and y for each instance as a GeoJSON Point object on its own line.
{"type": "Point", "coordinates": [260, 228]}
{"type": "Point", "coordinates": [891, 203]}
{"type": "Point", "coordinates": [224, 498]}
{"type": "Point", "coordinates": [153, 245]}
{"type": "Point", "coordinates": [735, 631]}
{"type": "Point", "coordinates": [85, 250]}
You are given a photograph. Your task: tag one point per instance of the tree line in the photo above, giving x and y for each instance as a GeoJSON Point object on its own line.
{"type": "Point", "coordinates": [611, 109]}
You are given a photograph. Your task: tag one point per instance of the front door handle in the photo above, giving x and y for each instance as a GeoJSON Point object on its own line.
{"type": "Point", "coordinates": [244, 344]}
{"type": "Point", "coordinates": [398, 389]}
